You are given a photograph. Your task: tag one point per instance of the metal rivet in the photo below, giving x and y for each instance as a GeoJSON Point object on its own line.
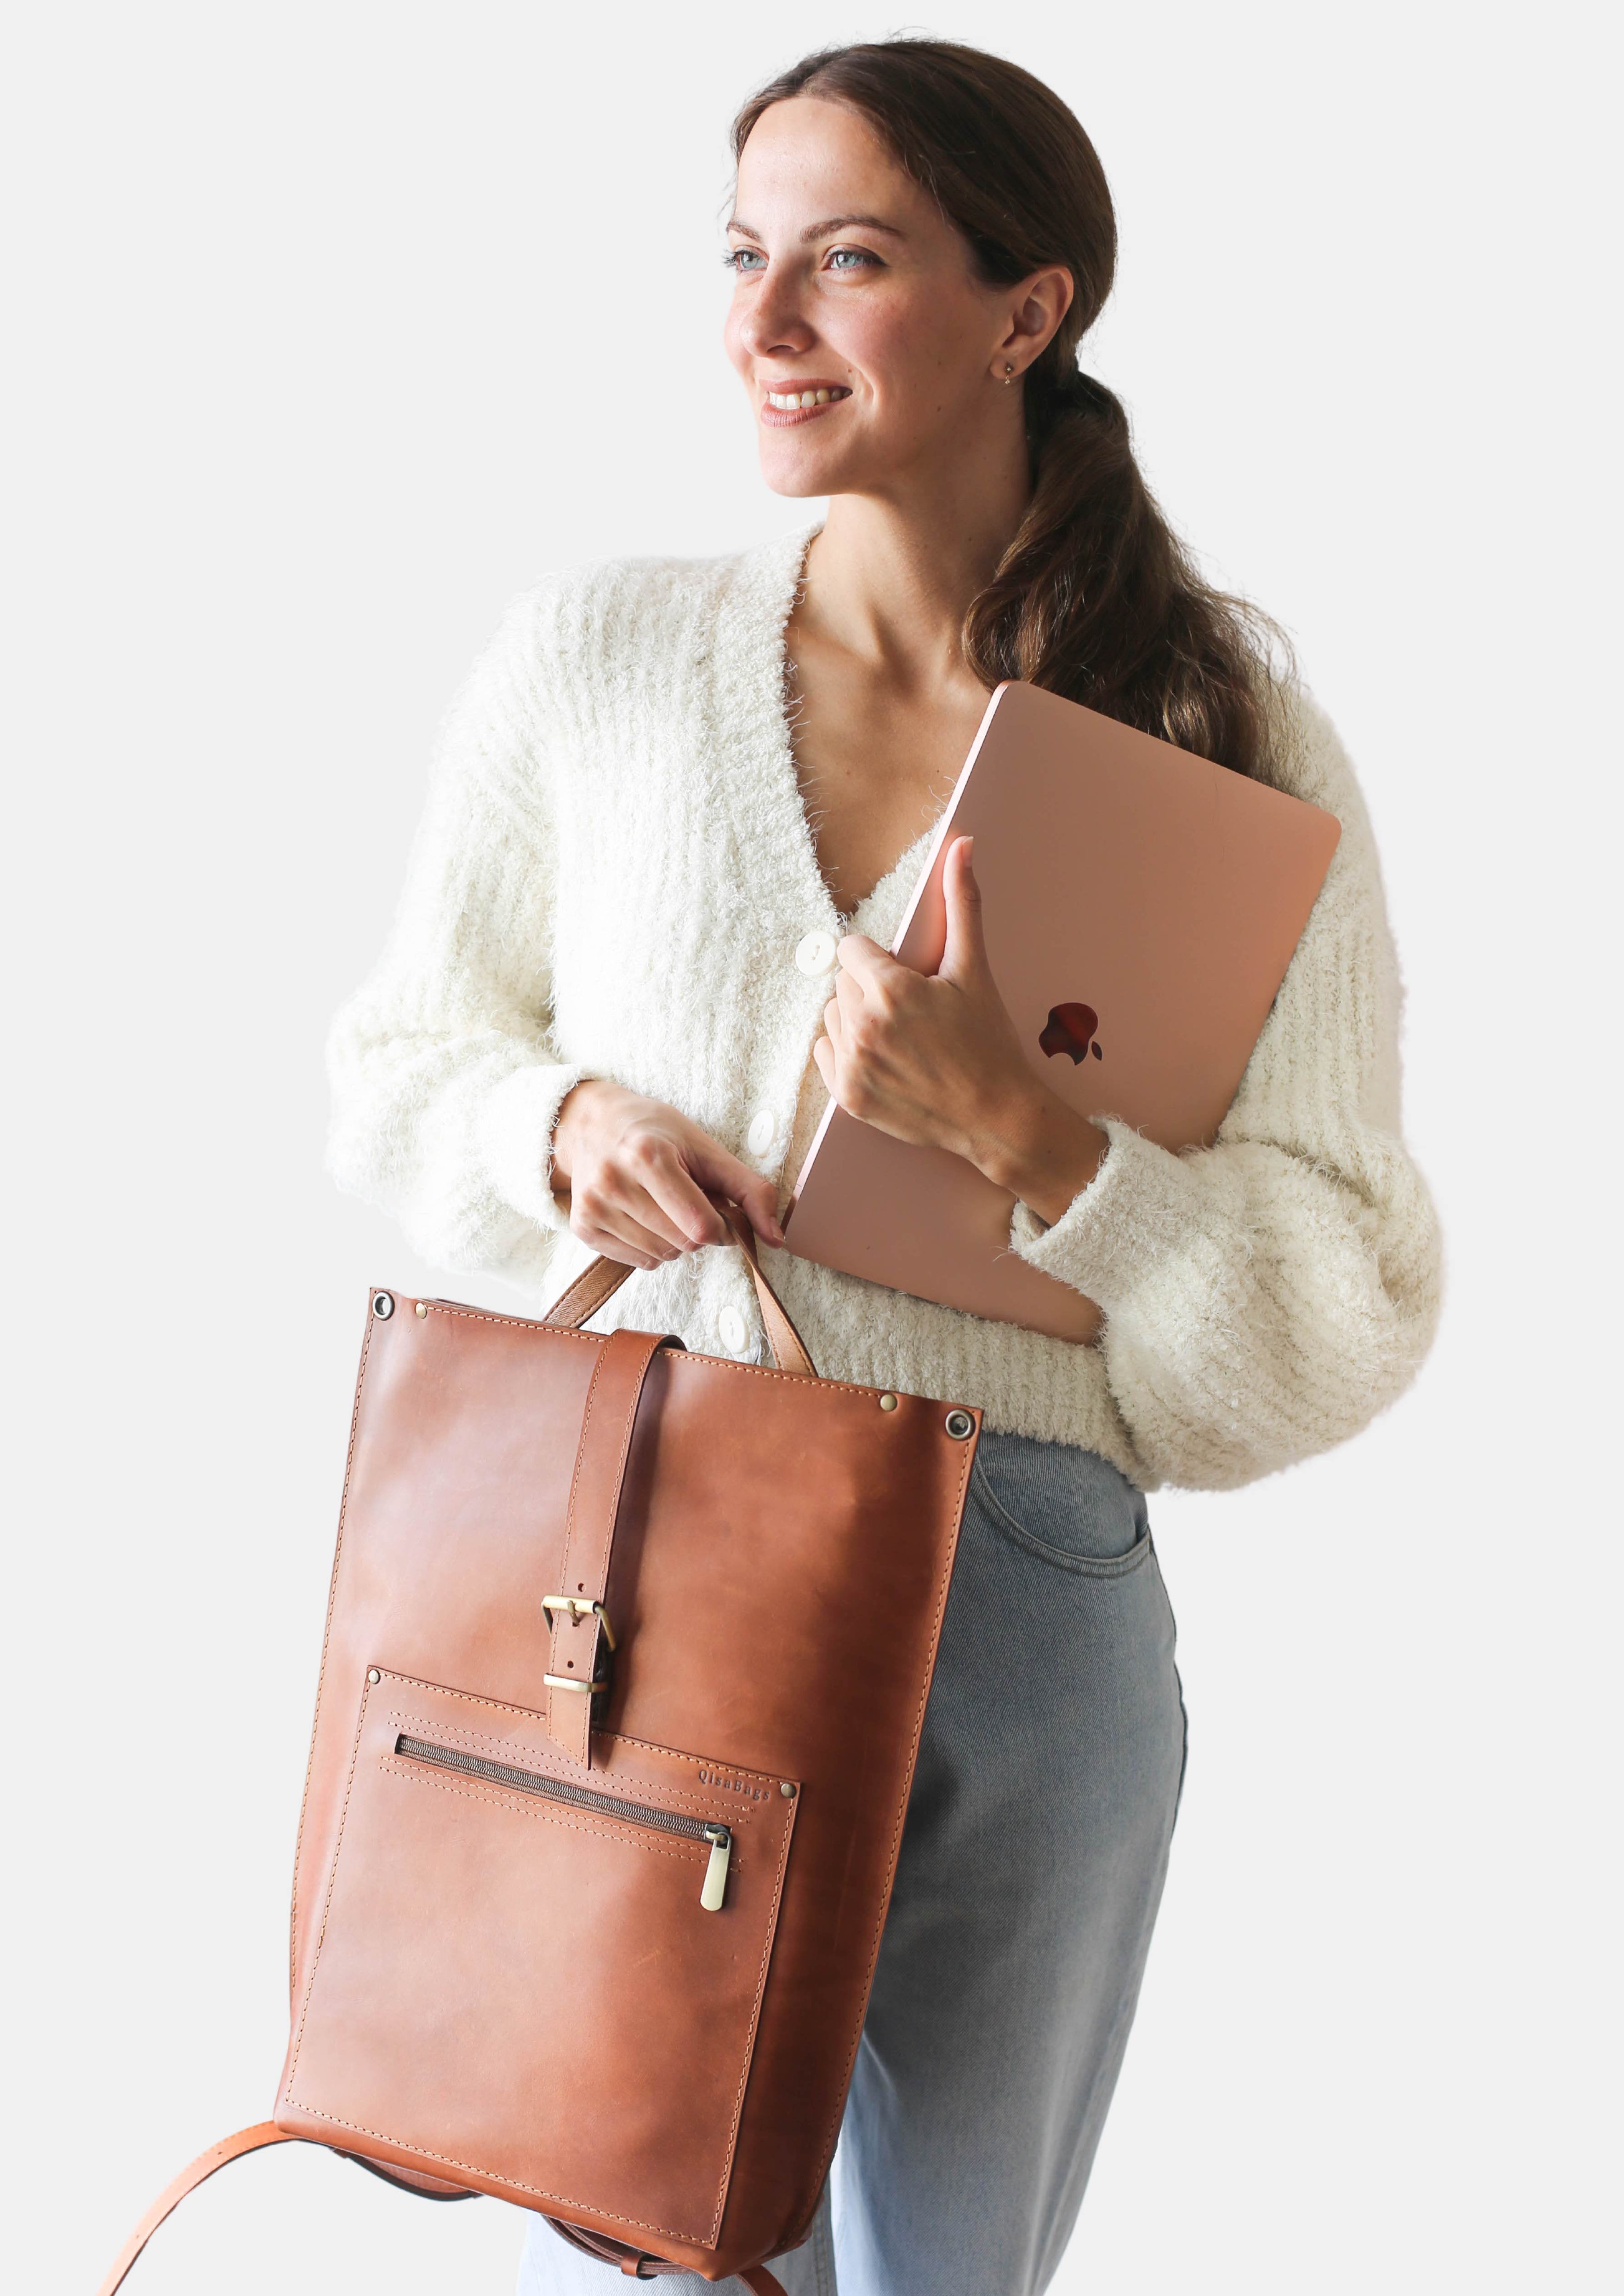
{"type": "Point", "coordinates": [420, 1308]}
{"type": "Point", "coordinates": [888, 1403]}
{"type": "Point", "coordinates": [787, 1791]}
{"type": "Point", "coordinates": [960, 1424]}
{"type": "Point", "coordinates": [383, 1305]}
{"type": "Point", "coordinates": [372, 1675]}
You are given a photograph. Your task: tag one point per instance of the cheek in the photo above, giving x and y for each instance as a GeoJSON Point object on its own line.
{"type": "Point", "coordinates": [881, 337]}
{"type": "Point", "coordinates": [913, 362]}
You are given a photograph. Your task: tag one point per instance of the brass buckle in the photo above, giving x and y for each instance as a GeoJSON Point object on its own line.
{"type": "Point", "coordinates": [578, 1608]}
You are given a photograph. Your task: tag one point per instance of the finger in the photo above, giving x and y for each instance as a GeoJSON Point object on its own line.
{"type": "Point", "coordinates": [864, 961]}
{"type": "Point", "coordinates": [964, 957]}
{"type": "Point", "coordinates": [670, 1200]}
{"type": "Point", "coordinates": [758, 1202]}
{"type": "Point", "coordinates": [853, 996]}
{"type": "Point", "coordinates": [753, 1191]}
{"type": "Point", "coordinates": [616, 1235]}
{"type": "Point", "coordinates": [834, 1022]}
{"type": "Point", "coordinates": [823, 1052]}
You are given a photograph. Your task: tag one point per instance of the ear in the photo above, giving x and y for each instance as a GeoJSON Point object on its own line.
{"type": "Point", "coordinates": [1035, 311]}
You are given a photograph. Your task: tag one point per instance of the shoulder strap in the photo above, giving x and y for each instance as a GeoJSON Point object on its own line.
{"type": "Point", "coordinates": [229, 2148]}
{"type": "Point", "coordinates": [253, 2140]}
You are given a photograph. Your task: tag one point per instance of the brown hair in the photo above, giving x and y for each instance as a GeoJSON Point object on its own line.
{"type": "Point", "coordinates": [1095, 597]}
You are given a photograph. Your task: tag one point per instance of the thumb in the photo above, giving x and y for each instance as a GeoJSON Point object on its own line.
{"type": "Point", "coordinates": [964, 956]}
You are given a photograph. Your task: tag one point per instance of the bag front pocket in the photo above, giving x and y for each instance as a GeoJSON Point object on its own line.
{"type": "Point", "coordinates": [546, 1977]}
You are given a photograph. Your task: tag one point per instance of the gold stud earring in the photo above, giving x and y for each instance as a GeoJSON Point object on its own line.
{"type": "Point", "coordinates": [1008, 373]}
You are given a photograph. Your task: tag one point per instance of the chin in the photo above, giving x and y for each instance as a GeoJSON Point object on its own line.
{"type": "Point", "coordinates": [800, 477]}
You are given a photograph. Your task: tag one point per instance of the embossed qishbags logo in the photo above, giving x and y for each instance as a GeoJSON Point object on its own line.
{"type": "Point", "coordinates": [1071, 1030]}
{"type": "Point", "coordinates": [744, 1786]}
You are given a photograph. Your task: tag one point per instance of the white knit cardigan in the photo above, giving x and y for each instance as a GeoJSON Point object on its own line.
{"type": "Point", "coordinates": [611, 879]}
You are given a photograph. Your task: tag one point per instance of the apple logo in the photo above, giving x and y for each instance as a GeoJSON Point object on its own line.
{"type": "Point", "coordinates": [1071, 1030]}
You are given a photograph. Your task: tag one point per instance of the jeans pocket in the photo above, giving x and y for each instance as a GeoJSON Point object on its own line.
{"type": "Point", "coordinates": [1061, 1504]}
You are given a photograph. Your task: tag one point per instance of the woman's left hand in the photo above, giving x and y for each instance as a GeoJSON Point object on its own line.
{"type": "Point", "coordinates": [934, 1060]}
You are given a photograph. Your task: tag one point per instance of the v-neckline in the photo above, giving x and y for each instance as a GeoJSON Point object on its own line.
{"type": "Point", "coordinates": [787, 779]}
{"type": "Point", "coordinates": [874, 902]}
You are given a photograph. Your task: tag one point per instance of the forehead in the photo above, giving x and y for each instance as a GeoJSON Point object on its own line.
{"type": "Point", "coordinates": [808, 157]}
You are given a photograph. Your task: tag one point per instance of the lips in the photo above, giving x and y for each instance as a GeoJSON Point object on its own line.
{"type": "Point", "coordinates": [800, 400]}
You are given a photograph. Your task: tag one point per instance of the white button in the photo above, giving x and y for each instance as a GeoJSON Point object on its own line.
{"type": "Point", "coordinates": [733, 1331]}
{"type": "Point", "coordinates": [763, 1131]}
{"type": "Point", "coordinates": [815, 954]}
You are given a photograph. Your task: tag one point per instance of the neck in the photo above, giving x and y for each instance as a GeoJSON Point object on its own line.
{"type": "Point", "coordinates": [891, 576]}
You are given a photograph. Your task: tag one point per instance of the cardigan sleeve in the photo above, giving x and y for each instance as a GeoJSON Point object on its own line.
{"type": "Point", "coordinates": [1266, 1297]}
{"type": "Point", "coordinates": [445, 1077]}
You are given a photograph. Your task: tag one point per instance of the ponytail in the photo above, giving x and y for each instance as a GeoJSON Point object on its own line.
{"type": "Point", "coordinates": [1096, 598]}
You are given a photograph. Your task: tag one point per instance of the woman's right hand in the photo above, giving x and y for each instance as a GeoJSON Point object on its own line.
{"type": "Point", "coordinates": [642, 1180]}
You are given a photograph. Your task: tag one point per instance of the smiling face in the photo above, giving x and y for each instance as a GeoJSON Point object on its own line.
{"type": "Point", "coordinates": [873, 354]}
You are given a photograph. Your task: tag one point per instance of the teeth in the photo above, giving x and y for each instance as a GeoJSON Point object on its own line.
{"type": "Point", "coordinates": [788, 401]}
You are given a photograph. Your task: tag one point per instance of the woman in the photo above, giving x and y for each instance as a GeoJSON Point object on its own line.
{"type": "Point", "coordinates": [678, 812]}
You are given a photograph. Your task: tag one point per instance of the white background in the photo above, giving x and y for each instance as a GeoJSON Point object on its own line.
{"type": "Point", "coordinates": [333, 325]}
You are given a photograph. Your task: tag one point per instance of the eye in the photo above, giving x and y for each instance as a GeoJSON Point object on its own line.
{"type": "Point", "coordinates": [741, 259]}
{"type": "Point", "coordinates": [853, 259]}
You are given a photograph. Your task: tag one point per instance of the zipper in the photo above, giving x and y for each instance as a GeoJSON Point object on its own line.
{"type": "Point", "coordinates": [714, 1887]}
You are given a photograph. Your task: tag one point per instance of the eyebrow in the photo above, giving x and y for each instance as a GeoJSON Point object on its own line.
{"type": "Point", "coordinates": [816, 231]}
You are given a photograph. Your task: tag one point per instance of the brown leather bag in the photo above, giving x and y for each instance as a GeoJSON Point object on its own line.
{"type": "Point", "coordinates": [626, 1655]}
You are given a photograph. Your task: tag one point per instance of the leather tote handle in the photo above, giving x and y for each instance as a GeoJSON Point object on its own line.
{"type": "Point", "coordinates": [600, 1281]}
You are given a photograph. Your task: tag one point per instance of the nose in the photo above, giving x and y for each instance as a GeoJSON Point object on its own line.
{"type": "Point", "coordinates": [773, 320]}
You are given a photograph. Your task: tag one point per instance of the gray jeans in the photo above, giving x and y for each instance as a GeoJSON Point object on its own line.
{"type": "Point", "coordinates": [1031, 1867]}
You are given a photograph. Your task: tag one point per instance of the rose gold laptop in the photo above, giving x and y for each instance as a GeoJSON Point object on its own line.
{"type": "Point", "coordinates": [1141, 906]}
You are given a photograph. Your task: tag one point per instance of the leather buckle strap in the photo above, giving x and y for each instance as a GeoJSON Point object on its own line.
{"type": "Point", "coordinates": [579, 1607]}
{"type": "Point", "coordinates": [577, 1616]}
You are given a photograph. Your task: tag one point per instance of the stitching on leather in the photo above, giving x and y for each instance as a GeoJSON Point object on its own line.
{"type": "Point", "coordinates": [513, 1323]}
{"type": "Point", "coordinates": [833, 2130]}
{"type": "Point", "coordinates": [509, 1798]}
{"type": "Point", "coordinates": [626, 1446]}
{"type": "Point", "coordinates": [355, 1756]}
{"type": "Point", "coordinates": [321, 1678]}
{"type": "Point", "coordinates": [832, 1388]}
{"type": "Point", "coordinates": [512, 2183]}
{"type": "Point", "coordinates": [688, 1356]}
{"type": "Point", "coordinates": [575, 1479]}
{"type": "Point", "coordinates": [754, 2023]}
{"type": "Point", "coordinates": [601, 1572]}
{"type": "Point", "coordinates": [523, 1809]}
{"type": "Point", "coordinates": [695, 1761]}
{"type": "Point", "coordinates": [618, 1738]}
{"type": "Point", "coordinates": [651, 1787]}
{"type": "Point", "coordinates": [555, 1643]}
{"type": "Point", "coordinates": [528, 1714]}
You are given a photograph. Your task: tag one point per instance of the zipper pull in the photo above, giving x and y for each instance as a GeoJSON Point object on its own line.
{"type": "Point", "coordinates": [716, 1872]}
